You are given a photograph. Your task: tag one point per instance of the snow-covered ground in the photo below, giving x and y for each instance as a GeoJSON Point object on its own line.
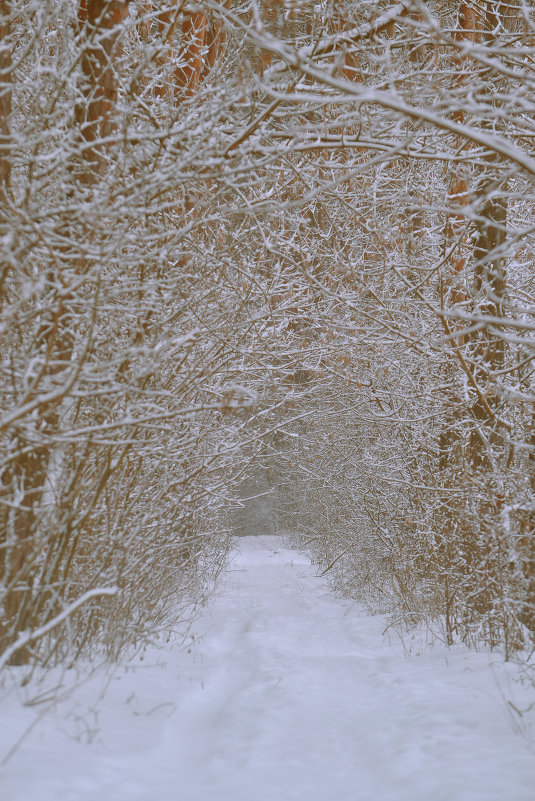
{"type": "Point", "coordinates": [286, 693]}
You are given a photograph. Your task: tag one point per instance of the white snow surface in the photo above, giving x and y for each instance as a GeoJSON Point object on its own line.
{"type": "Point", "coordinates": [285, 692]}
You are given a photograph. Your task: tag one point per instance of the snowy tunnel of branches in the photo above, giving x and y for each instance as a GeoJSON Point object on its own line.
{"type": "Point", "coordinates": [287, 239]}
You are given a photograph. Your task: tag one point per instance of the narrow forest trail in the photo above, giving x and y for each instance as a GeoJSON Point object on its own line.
{"type": "Point", "coordinates": [288, 694]}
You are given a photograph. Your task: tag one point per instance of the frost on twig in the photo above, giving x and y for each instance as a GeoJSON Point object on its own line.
{"type": "Point", "coordinates": [26, 637]}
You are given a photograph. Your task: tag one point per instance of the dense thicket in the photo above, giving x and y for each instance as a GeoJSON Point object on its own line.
{"type": "Point", "coordinates": [236, 234]}
{"type": "Point", "coordinates": [424, 479]}
{"type": "Point", "coordinates": [126, 345]}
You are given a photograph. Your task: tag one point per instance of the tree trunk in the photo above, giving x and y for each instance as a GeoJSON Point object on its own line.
{"type": "Point", "coordinates": [100, 22]}
{"type": "Point", "coordinates": [25, 480]}
{"type": "Point", "coordinates": [5, 96]}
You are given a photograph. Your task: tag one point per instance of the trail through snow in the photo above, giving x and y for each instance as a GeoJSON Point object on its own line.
{"type": "Point", "coordinates": [287, 693]}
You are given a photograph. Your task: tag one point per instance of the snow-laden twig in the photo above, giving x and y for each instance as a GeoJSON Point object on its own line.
{"type": "Point", "coordinates": [30, 636]}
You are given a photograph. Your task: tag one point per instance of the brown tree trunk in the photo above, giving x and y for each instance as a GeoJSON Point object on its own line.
{"type": "Point", "coordinates": [188, 77]}
{"type": "Point", "coordinates": [100, 22]}
{"type": "Point", "coordinates": [5, 124]}
{"type": "Point", "coordinates": [475, 24]}
{"type": "Point", "coordinates": [15, 525]}
{"type": "Point", "coordinates": [5, 95]}
{"type": "Point", "coordinates": [25, 480]}
{"type": "Point", "coordinates": [216, 38]}
{"type": "Point", "coordinates": [489, 284]}
{"type": "Point", "coordinates": [194, 32]}
{"type": "Point", "coordinates": [470, 440]}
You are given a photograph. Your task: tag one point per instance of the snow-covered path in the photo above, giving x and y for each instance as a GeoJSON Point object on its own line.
{"type": "Point", "coordinates": [288, 694]}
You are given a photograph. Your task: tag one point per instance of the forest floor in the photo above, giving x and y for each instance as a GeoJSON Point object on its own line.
{"type": "Point", "coordinates": [285, 692]}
